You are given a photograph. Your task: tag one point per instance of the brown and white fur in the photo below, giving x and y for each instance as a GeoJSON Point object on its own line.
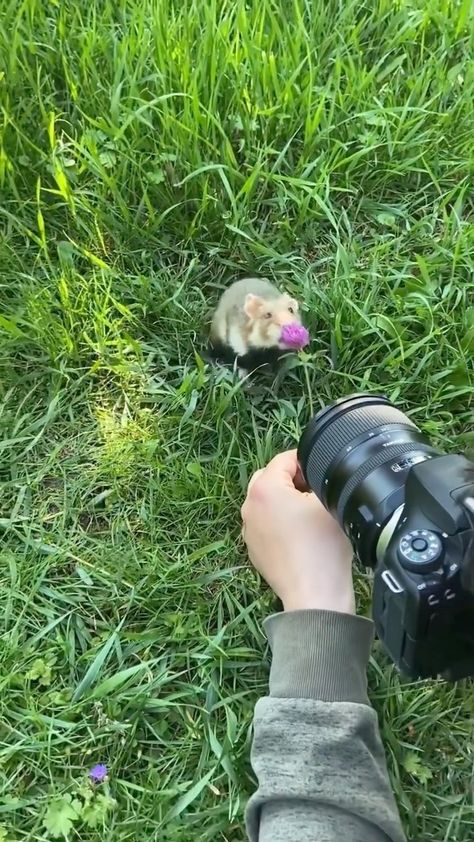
{"type": "Point", "coordinates": [247, 323]}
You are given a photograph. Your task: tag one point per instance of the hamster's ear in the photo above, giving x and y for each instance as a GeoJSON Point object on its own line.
{"type": "Point", "coordinates": [292, 302]}
{"type": "Point", "coordinates": [252, 305]}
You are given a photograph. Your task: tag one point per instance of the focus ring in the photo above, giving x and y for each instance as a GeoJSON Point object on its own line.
{"type": "Point", "coordinates": [380, 458]}
{"type": "Point", "coordinates": [341, 431]}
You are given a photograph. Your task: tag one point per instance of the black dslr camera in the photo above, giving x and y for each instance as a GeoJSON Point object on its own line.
{"type": "Point", "coordinates": [409, 512]}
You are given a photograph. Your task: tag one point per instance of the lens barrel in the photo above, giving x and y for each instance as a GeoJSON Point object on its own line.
{"type": "Point", "coordinates": [355, 455]}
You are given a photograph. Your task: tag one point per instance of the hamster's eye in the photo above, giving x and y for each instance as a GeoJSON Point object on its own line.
{"type": "Point", "coordinates": [267, 316]}
{"type": "Point", "coordinates": [291, 310]}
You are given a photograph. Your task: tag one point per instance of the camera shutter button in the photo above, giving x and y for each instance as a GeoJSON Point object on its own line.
{"type": "Point", "coordinates": [420, 550]}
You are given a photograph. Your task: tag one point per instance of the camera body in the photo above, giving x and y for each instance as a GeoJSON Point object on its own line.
{"type": "Point", "coordinates": [409, 512]}
{"type": "Point", "coordinates": [423, 613]}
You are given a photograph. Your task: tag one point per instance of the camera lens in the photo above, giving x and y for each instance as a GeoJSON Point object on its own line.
{"type": "Point", "coordinates": [355, 455]}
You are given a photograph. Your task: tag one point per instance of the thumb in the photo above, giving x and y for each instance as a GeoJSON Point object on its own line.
{"type": "Point", "coordinates": [285, 470]}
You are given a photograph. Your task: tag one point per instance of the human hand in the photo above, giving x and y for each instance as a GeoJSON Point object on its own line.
{"type": "Point", "coordinates": [294, 543]}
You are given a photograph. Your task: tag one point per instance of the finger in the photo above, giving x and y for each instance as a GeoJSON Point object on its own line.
{"type": "Point", "coordinates": [284, 464]}
{"type": "Point", "coordinates": [299, 480]}
{"type": "Point", "coordinates": [285, 470]}
{"type": "Point", "coordinates": [254, 477]}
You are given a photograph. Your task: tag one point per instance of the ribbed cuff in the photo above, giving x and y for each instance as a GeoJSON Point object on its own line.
{"type": "Point", "coordinates": [319, 655]}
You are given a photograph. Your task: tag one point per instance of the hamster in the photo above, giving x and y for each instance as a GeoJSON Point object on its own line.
{"type": "Point", "coordinates": [249, 324]}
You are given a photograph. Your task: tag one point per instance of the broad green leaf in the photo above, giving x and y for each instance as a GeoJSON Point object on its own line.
{"type": "Point", "coordinates": [61, 815]}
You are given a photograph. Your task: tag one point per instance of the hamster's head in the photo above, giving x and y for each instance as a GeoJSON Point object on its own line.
{"type": "Point", "coordinates": [274, 323]}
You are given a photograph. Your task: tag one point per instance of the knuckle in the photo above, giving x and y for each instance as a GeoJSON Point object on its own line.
{"type": "Point", "coordinates": [254, 478]}
{"type": "Point", "coordinates": [258, 491]}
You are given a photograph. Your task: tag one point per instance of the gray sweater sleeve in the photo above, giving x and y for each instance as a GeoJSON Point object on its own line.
{"type": "Point", "coordinates": [317, 752]}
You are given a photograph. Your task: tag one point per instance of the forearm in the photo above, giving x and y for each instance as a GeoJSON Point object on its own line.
{"type": "Point", "coordinates": [317, 752]}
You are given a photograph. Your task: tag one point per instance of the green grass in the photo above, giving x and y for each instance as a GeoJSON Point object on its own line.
{"type": "Point", "coordinates": [149, 153]}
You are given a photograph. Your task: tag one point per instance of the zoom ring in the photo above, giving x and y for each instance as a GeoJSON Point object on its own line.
{"type": "Point", "coordinates": [341, 431]}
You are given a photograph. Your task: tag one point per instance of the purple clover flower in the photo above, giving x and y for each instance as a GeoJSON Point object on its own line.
{"type": "Point", "coordinates": [294, 336]}
{"type": "Point", "coordinates": [98, 773]}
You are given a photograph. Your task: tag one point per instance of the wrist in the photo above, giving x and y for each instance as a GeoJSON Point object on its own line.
{"type": "Point", "coordinates": [341, 601]}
